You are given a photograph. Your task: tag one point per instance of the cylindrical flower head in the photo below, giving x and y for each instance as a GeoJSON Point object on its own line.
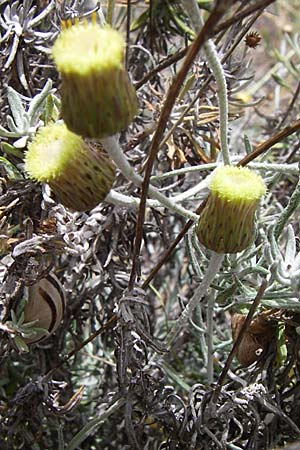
{"type": "Point", "coordinates": [227, 222]}
{"type": "Point", "coordinates": [79, 174]}
{"type": "Point", "coordinates": [98, 99]}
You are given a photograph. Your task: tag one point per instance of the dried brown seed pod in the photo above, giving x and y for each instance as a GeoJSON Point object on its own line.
{"type": "Point", "coordinates": [45, 306]}
{"type": "Point", "coordinates": [253, 39]}
{"type": "Point", "coordinates": [256, 339]}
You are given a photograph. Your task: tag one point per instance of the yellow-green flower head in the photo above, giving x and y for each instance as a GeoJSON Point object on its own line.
{"type": "Point", "coordinates": [85, 48]}
{"type": "Point", "coordinates": [98, 99]}
{"type": "Point", "coordinates": [78, 174]}
{"type": "Point", "coordinates": [227, 222]}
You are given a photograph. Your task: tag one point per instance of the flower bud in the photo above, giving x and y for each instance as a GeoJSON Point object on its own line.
{"type": "Point", "coordinates": [98, 99]}
{"type": "Point", "coordinates": [227, 222]}
{"type": "Point", "coordinates": [79, 174]}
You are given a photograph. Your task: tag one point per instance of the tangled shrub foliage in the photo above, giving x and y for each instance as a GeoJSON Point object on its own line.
{"type": "Point", "coordinates": [111, 377]}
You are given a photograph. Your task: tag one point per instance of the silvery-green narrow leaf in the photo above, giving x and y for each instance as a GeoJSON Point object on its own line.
{"type": "Point", "coordinates": [187, 86]}
{"type": "Point", "coordinates": [21, 130]}
{"type": "Point", "coordinates": [11, 150]}
{"type": "Point", "coordinates": [226, 294]}
{"type": "Point", "coordinates": [21, 319]}
{"type": "Point", "coordinates": [48, 110]}
{"type": "Point", "coordinates": [176, 377]}
{"type": "Point", "coordinates": [251, 293]}
{"type": "Point", "coordinates": [279, 80]}
{"type": "Point", "coordinates": [11, 125]}
{"type": "Point", "coordinates": [290, 250]}
{"type": "Point", "coordinates": [297, 262]}
{"type": "Point", "coordinates": [13, 317]}
{"type": "Point", "coordinates": [21, 345]}
{"type": "Point", "coordinates": [291, 304]}
{"type": "Point", "coordinates": [248, 146]}
{"type": "Point", "coordinates": [57, 104]}
{"type": "Point", "coordinates": [16, 107]}
{"type": "Point", "coordinates": [37, 103]}
{"type": "Point", "coordinates": [6, 133]}
{"type": "Point", "coordinates": [293, 42]}
{"type": "Point", "coordinates": [37, 19]}
{"type": "Point", "coordinates": [93, 425]}
{"type": "Point", "coordinates": [11, 170]}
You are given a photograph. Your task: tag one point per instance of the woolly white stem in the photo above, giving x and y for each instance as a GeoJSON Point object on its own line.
{"type": "Point", "coordinates": [217, 69]}
{"type": "Point", "coordinates": [292, 168]}
{"type": "Point", "coordinates": [213, 268]}
{"type": "Point", "coordinates": [128, 201]}
{"type": "Point", "coordinates": [209, 337]}
{"type": "Point", "coordinates": [116, 198]}
{"type": "Point", "coordinates": [202, 186]}
{"type": "Point", "coordinates": [213, 60]}
{"type": "Point", "coordinates": [113, 148]}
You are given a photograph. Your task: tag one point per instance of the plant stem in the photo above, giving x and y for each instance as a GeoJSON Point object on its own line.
{"type": "Point", "coordinates": [292, 168]}
{"type": "Point", "coordinates": [113, 148]}
{"type": "Point", "coordinates": [200, 168]}
{"type": "Point", "coordinates": [209, 336]}
{"type": "Point", "coordinates": [213, 268]}
{"type": "Point", "coordinates": [217, 69]}
{"type": "Point", "coordinates": [215, 65]}
{"type": "Point", "coordinates": [117, 198]}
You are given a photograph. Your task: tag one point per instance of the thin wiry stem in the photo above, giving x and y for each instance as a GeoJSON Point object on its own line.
{"type": "Point", "coordinates": [264, 146]}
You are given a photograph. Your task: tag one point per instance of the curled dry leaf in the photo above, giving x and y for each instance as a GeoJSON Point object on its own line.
{"type": "Point", "coordinates": [255, 341]}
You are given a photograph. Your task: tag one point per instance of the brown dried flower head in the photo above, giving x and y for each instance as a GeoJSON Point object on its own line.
{"type": "Point", "coordinates": [253, 39]}
{"type": "Point", "coordinates": [255, 341]}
